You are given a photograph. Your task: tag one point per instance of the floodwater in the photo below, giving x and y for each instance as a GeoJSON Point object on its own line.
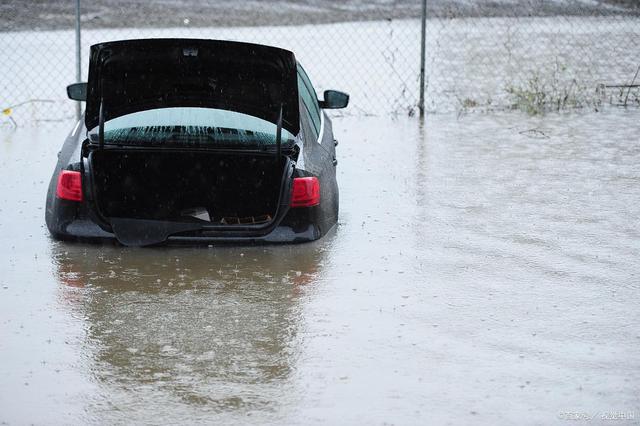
{"type": "Point", "coordinates": [484, 269]}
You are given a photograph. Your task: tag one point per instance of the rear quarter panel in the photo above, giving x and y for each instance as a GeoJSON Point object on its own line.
{"type": "Point", "coordinates": [318, 160]}
{"type": "Point", "coordinates": [59, 213]}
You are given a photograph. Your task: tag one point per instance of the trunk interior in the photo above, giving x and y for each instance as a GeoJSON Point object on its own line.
{"type": "Point", "coordinates": [223, 189]}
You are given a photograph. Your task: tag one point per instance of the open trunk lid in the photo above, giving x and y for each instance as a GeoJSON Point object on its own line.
{"type": "Point", "coordinates": [138, 75]}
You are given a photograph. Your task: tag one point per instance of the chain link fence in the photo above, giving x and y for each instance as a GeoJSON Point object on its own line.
{"type": "Point", "coordinates": [533, 55]}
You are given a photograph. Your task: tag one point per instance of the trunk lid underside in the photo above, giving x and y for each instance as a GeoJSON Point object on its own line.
{"type": "Point", "coordinates": [138, 75]}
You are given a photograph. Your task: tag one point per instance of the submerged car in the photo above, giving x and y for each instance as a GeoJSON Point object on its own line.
{"type": "Point", "coordinates": [196, 141]}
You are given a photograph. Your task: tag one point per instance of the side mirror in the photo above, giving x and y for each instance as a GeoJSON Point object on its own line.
{"type": "Point", "coordinates": [77, 91]}
{"type": "Point", "coordinates": [334, 99]}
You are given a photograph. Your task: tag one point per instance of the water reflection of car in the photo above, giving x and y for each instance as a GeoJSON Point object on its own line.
{"type": "Point", "coordinates": [196, 141]}
{"type": "Point", "coordinates": [215, 329]}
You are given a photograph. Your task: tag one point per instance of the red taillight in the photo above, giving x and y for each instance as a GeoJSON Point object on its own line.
{"type": "Point", "coordinates": [306, 192]}
{"type": "Point", "coordinates": [69, 185]}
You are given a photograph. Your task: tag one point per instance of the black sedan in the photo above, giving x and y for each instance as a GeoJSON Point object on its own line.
{"type": "Point", "coordinates": [196, 141]}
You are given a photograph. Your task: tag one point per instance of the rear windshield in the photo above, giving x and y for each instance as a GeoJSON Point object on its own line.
{"type": "Point", "coordinates": [191, 126]}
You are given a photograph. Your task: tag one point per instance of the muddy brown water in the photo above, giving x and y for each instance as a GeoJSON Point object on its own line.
{"type": "Point", "coordinates": [485, 269]}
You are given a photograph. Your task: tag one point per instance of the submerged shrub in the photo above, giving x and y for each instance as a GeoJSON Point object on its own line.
{"type": "Point", "coordinates": [555, 92]}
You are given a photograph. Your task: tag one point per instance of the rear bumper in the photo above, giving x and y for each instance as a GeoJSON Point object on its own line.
{"type": "Point", "coordinates": [72, 222]}
{"type": "Point", "coordinates": [86, 230]}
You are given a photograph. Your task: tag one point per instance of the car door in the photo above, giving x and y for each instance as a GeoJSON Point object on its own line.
{"type": "Point", "coordinates": [319, 145]}
{"type": "Point", "coordinates": [319, 120]}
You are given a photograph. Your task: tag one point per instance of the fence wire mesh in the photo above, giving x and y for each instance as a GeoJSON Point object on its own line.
{"type": "Point", "coordinates": [532, 54]}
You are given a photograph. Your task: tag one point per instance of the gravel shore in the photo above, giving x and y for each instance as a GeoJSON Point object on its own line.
{"type": "Point", "coordinates": [18, 15]}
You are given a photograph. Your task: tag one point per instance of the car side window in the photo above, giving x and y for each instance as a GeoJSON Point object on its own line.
{"type": "Point", "coordinates": [309, 97]}
{"type": "Point", "coordinates": [307, 123]}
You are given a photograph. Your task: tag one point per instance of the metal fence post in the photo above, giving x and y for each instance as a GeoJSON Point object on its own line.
{"type": "Point", "coordinates": [422, 56]}
{"type": "Point", "coordinates": [78, 56]}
